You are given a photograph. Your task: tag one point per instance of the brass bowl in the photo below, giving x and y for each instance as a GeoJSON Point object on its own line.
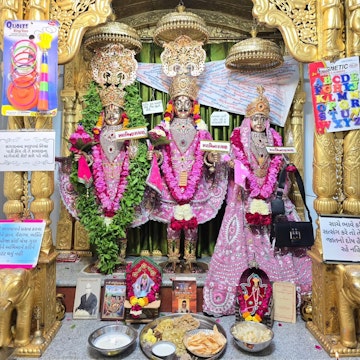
{"type": "Point", "coordinates": [251, 336]}
{"type": "Point", "coordinates": [112, 340]}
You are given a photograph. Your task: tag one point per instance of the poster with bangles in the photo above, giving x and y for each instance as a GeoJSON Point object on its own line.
{"type": "Point", "coordinates": [30, 68]}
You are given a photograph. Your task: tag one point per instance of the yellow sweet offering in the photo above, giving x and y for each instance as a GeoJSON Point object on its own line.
{"type": "Point", "coordinates": [150, 337]}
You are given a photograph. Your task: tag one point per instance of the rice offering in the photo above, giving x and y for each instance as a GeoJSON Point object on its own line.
{"type": "Point", "coordinates": [247, 333]}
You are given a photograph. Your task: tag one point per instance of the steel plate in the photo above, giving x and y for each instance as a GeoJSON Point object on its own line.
{"type": "Point", "coordinates": [205, 323]}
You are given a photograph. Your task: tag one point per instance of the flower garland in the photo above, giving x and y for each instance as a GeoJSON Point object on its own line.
{"type": "Point", "coordinates": [109, 207]}
{"type": "Point", "coordinates": [259, 313]}
{"type": "Point", "coordinates": [268, 187]}
{"type": "Point", "coordinates": [183, 194]}
{"type": "Point", "coordinates": [137, 304]}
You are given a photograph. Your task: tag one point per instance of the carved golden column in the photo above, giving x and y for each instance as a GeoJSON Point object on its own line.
{"type": "Point", "coordinates": [14, 182]}
{"type": "Point", "coordinates": [294, 136]}
{"type": "Point", "coordinates": [37, 10]}
{"type": "Point", "coordinates": [9, 10]}
{"type": "Point", "coordinates": [351, 182]}
{"type": "Point", "coordinates": [71, 235]}
{"type": "Point", "coordinates": [64, 232]}
{"type": "Point", "coordinates": [352, 27]}
{"type": "Point", "coordinates": [331, 26]}
{"type": "Point", "coordinates": [42, 187]}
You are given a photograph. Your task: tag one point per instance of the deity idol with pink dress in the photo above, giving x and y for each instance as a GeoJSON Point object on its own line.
{"type": "Point", "coordinates": [190, 183]}
{"type": "Point", "coordinates": [245, 230]}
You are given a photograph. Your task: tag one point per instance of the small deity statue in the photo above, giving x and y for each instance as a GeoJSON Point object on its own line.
{"type": "Point", "coordinates": [191, 183]}
{"type": "Point", "coordinates": [246, 227]}
{"type": "Point", "coordinates": [107, 199]}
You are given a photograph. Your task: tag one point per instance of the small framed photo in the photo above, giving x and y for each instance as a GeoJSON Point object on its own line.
{"type": "Point", "coordinates": [87, 296]}
{"type": "Point", "coordinates": [114, 299]}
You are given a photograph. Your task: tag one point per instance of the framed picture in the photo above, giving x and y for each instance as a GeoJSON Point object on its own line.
{"type": "Point", "coordinates": [87, 296]}
{"type": "Point", "coordinates": [114, 299]}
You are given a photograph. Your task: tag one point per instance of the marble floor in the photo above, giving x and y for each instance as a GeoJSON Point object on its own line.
{"type": "Point", "coordinates": [291, 342]}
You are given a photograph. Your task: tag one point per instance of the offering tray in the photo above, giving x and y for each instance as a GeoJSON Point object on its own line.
{"type": "Point", "coordinates": [205, 323]}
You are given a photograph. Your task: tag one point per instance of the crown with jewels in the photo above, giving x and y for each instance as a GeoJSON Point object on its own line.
{"type": "Point", "coordinates": [183, 85]}
{"type": "Point", "coordinates": [260, 105]}
{"type": "Point", "coordinates": [183, 56]}
{"type": "Point", "coordinates": [113, 68]}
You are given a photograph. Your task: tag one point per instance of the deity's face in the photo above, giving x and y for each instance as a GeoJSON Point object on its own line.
{"type": "Point", "coordinates": [182, 106]}
{"type": "Point", "coordinates": [258, 122]}
{"type": "Point", "coordinates": [113, 114]}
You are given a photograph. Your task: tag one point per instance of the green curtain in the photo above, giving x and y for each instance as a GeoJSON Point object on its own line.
{"type": "Point", "coordinates": [152, 235]}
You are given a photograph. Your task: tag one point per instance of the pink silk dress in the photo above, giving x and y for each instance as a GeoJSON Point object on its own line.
{"type": "Point", "coordinates": [238, 244]}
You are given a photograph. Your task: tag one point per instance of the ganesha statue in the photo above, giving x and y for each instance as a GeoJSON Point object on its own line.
{"type": "Point", "coordinates": [16, 297]}
{"type": "Point", "coordinates": [348, 302]}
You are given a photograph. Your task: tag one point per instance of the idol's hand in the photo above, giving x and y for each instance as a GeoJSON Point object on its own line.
{"type": "Point", "coordinates": [150, 155]}
{"type": "Point", "coordinates": [213, 157]}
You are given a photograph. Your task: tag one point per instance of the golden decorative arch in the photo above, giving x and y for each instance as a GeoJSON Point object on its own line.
{"type": "Point", "coordinates": [312, 30]}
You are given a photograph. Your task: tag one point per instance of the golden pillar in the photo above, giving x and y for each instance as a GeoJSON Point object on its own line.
{"type": "Point", "coordinates": [351, 204]}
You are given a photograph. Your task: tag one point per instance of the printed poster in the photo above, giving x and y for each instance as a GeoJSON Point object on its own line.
{"type": "Point", "coordinates": [335, 94]}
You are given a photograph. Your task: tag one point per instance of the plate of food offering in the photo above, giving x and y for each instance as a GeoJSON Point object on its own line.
{"type": "Point", "coordinates": [193, 335]}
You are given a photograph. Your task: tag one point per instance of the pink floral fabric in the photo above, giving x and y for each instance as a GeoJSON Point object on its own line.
{"type": "Point", "coordinates": [238, 244]}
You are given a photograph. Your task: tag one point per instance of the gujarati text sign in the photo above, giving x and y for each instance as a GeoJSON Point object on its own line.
{"type": "Point", "coordinates": [27, 150]}
{"type": "Point", "coordinates": [20, 243]}
{"type": "Point", "coordinates": [340, 238]}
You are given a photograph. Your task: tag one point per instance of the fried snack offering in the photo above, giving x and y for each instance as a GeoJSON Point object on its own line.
{"type": "Point", "coordinates": [205, 343]}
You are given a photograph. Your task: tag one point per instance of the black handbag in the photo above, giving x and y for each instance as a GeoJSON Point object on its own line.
{"type": "Point", "coordinates": [292, 233]}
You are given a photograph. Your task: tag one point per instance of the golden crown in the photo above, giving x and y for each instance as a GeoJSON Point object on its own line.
{"type": "Point", "coordinates": [183, 85]}
{"type": "Point", "coordinates": [260, 105]}
{"type": "Point", "coordinates": [113, 68]}
{"type": "Point", "coordinates": [112, 95]}
{"type": "Point", "coordinates": [183, 56]}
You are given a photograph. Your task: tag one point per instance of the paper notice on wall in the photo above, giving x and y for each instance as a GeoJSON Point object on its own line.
{"type": "Point", "coordinates": [340, 238]}
{"type": "Point", "coordinates": [20, 243]}
{"type": "Point", "coordinates": [27, 150]}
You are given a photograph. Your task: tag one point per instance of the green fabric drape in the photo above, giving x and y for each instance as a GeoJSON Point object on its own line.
{"type": "Point", "coordinates": [152, 235]}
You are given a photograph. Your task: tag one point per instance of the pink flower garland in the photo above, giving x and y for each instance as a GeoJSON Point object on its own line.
{"type": "Point", "coordinates": [109, 207]}
{"type": "Point", "coordinates": [268, 187]}
{"type": "Point", "coordinates": [183, 194]}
